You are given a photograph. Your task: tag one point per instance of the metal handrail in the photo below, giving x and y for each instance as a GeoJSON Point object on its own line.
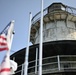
{"type": "Point", "coordinates": [68, 9]}
{"type": "Point", "coordinates": [65, 64]}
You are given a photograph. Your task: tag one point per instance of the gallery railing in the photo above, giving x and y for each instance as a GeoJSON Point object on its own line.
{"type": "Point", "coordinates": [59, 63]}
{"type": "Point", "coordinates": [70, 10]}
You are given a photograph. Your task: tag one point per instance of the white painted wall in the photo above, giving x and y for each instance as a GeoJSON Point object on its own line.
{"type": "Point", "coordinates": [59, 30]}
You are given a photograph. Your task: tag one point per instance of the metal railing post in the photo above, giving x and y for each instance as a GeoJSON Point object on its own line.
{"type": "Point", "coordinates": [22, 69]}
{"type": "Point", "coordinates": [36, 60]}
{"type": "Point", "coordinates": [58, 59]}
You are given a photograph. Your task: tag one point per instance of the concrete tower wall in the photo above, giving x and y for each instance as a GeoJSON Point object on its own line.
{"type": "Point", "coordinates": [58, 30]}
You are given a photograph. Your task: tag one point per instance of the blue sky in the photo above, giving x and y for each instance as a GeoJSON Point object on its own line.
{"type": "Point", "coordinates": [18, 10]}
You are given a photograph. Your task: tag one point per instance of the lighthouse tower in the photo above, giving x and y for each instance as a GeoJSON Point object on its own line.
{"type": "Point", "coordinates": [59, 24]}
{"type": "Point", "coordinates": [59, 42]}
{"type": "Point", "coordinates": [59, 38]}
